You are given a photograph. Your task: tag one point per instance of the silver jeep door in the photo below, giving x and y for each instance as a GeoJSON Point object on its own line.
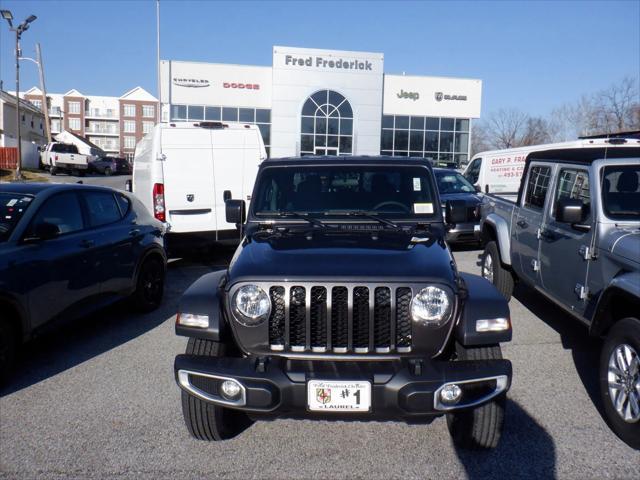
{"type": "Point", "coordinates": [529, 220]}
{"type": "Point", "coordinates": [564, 248]}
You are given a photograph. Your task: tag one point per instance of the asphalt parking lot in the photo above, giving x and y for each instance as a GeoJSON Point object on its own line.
{"type": "Point", "coordinates": [97, 399]}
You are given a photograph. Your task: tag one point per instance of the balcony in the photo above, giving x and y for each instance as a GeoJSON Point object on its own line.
{"type": "Point", "coordinates": [101, 130]}
{"type": "Point", "coordinates": [105, 114]}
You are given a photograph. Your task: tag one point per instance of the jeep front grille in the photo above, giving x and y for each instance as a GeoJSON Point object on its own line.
{"type": "Point", "coordinates": [340, 319]}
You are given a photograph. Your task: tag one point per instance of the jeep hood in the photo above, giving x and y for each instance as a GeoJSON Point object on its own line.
{"type": "Point", "coordinates": [341, 256]}
{"type": "Point", "coordinates": [624, 243]}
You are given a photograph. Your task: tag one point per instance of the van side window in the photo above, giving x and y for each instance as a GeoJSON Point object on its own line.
{"type": "Point", "coordinates": [573, 184]}
{"type": "Point", "coordinates": [473, 173]}
{"type": "Point", "coordinates": [537, 187]}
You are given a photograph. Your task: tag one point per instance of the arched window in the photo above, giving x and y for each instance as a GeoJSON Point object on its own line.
{"type": "Point", "coordinates": [326, 125]}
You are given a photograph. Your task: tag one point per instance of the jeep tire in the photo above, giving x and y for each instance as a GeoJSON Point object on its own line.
{"type": "Point", "coordinates": [480, 427]}
{"type": "Point", "coordinates": [205, 420]}
{"type": "Point", "coordinates": [492, 269]}
{"type": "Point", "coordinates": [620, 380]}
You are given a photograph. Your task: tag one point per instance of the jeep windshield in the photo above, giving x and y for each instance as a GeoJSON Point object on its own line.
{"type": "Point", "coordinates": [397, 191]}
{"type": "Point", "coordinates": [12, 207]}
{"type": "Point", "coordinates": [621, 192]}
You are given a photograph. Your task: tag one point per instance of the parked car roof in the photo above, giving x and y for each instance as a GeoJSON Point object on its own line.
{"type": "Point", "coordinates": [331, 159]}
{"type": "Point", "coordinates": [36, 188]}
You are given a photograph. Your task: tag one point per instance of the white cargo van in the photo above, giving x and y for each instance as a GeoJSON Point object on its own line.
{"type": "Point", "coordinates": [499, 171]}
{"type": "Point", "coordinates": [181, 171]}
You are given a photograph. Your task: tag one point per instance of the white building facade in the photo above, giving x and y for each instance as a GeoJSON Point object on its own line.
{"type": "Point", "coordinates": [328, 102]}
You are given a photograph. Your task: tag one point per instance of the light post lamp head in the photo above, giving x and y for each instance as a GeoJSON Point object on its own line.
{"type": "Point", "coordinates": [8, 16]}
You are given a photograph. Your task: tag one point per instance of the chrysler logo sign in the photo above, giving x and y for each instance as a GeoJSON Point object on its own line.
{"type": "Point", "coordinates": [191, 82]}
{"type": "Point", "coordinates": [441, 96]}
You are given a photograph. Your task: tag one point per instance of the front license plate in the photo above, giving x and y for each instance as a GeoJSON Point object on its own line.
{"type": "Point", "coordinates": [329, 396]}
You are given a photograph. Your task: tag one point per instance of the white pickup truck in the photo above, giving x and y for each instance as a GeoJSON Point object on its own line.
{"type": "Point", "coordinates": [60, 157]}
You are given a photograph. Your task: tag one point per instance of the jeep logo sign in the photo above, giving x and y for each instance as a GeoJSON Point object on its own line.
{"type": "Point", "coordinates": [441, 96]}
{"type": "Point", "coordinates": [412, 95]}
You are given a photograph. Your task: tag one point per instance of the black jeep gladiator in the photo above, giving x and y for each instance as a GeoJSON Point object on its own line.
{"type": "Point", "coordinates": [343, 300]}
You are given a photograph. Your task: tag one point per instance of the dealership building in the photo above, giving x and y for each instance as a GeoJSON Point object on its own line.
{"type": "Point", "coordinates": [329, 102]}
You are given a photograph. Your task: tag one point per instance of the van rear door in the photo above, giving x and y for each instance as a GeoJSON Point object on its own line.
{"type": "Point", "coordinates": [237, 155]}
{"type": "Point", "coordinates": [189, 188]}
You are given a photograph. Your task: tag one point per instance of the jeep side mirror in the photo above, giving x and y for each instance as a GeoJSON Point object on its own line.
{"type": "Point", "coordinates": [570, 210]}
{"type": "Point", "coordinates": [235, 211]}
{"type": "Point", "coordinates": [478, 188]}
{"type": "Point", "coordinates": [226, 195]}
{"type": "Point", "coordinates": [455, 212]}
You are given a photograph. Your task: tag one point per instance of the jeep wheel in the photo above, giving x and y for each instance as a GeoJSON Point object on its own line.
{"type": "Point", "coordinates": [150, 286]}
{"type": "Point", "coordinates": [480, 427]}
{"type": "Point", "coordinates": [205, 420]}
{"type": "Point", "coordinates": [620, 380]}
{"type": "Point", "coordinates": [493, 270]}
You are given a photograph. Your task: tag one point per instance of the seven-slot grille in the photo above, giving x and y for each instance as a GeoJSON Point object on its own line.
{"type": "Point", "coordinates": [340, 319]}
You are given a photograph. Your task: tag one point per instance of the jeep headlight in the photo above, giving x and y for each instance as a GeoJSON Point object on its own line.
{"type": "Point", "coordinates": [431, 306]}
{"type": "Point", "coordinates": [252, 305]}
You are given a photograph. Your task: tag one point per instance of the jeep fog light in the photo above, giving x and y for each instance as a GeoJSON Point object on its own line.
{"type": "Point", "coordinates": [492, 325]}
{"type": "Point", "coordinates": [192, 320]}
{"type": "Point", "coordinates": [450, 394]}
{"type": "Point", "coordinates": [431, 305]}
{"type": "Point", "coordinates": [230, 389]}
{"type": "Point", "coordinates": [252, 304]}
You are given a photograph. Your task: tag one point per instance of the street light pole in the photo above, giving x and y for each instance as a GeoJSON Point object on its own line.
{"type": "Point", "coordinates": [23, 27]}
{"type": "Point", "coordinates": [43, 90]}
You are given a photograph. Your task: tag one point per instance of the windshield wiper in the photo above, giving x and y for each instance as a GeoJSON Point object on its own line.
{"type": "Point", "coordinates": [301, 216]}
{"type": "Point", "coordinates": [362, 213]}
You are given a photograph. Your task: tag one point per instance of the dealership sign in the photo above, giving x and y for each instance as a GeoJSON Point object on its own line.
{"type": "Point", "coordinates": [439, 96]}
{"type": "Point", "coordinates": [191, 82]}
{"type": "Point", "coordinates": [241, 86]}
{"type": "Point", "coordinates": [412, 95]}
{"type": "Point", "coordinates": [321, 62]}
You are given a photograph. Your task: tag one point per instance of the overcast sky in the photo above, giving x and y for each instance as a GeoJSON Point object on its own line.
{"type": "Point", "coordinates": [529, 55]}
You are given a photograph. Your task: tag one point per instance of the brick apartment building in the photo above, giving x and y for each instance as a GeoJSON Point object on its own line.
{"type": "Point", "coordinates": [115, 124]}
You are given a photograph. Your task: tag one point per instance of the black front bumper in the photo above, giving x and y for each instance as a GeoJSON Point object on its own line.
{"type": "Point", "coordinates": [400, 388]}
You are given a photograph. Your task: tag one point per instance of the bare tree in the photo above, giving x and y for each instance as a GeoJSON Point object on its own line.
{"type": "Point", "coordinates": [535, 132]}
{"type": "Point", "coordinates": [505, 127]}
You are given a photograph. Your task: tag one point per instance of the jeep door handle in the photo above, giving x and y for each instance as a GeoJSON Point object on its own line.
{"type": "Point", "coordinates": [87, 243]}
{"type": "Point", "coordinates": [134, 232]}
{"type": "Point", "coordinates": [547, 234]}
{"type": "Point", "coordinates": [521, 224]}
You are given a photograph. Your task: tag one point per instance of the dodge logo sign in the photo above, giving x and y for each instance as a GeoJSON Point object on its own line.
{"type": "Point", "coordinates": [190, 197]}
{"type": "Point", "coordinates": [242, 86]}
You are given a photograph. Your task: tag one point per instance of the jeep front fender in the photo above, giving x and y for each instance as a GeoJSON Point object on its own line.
{"type": "Point", "coordinates": [483, 302]}
{"type": "Point", "coordinates": [503, 235]}
{"type": "Point", "coordinates": [204, 297]}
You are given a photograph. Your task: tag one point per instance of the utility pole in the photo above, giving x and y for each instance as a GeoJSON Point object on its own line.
{"type": "Point", "coordinates": [45, 105]}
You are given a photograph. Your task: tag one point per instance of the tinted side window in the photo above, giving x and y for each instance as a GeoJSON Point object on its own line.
{"type": "Point", "coordinates": [573, 184]}
{"type": "Point", "coordinates": [62, 210]}
{"type": "Point", "coordinates": [537, 187]}
{"type": "Point", "coordinates": [102, 207]}
{"type": "Point", "coordinates": [124, 204]}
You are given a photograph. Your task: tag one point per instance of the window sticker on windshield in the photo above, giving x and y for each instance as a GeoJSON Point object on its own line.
{"type": "Point", "coordinates": [12, 202]}
{"type": "Point", "coordinates": [423, 207]}
{"type": "Point", "coordinates": [26, 199]}
{"type": "Point", "coordinates": [416, 184]}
